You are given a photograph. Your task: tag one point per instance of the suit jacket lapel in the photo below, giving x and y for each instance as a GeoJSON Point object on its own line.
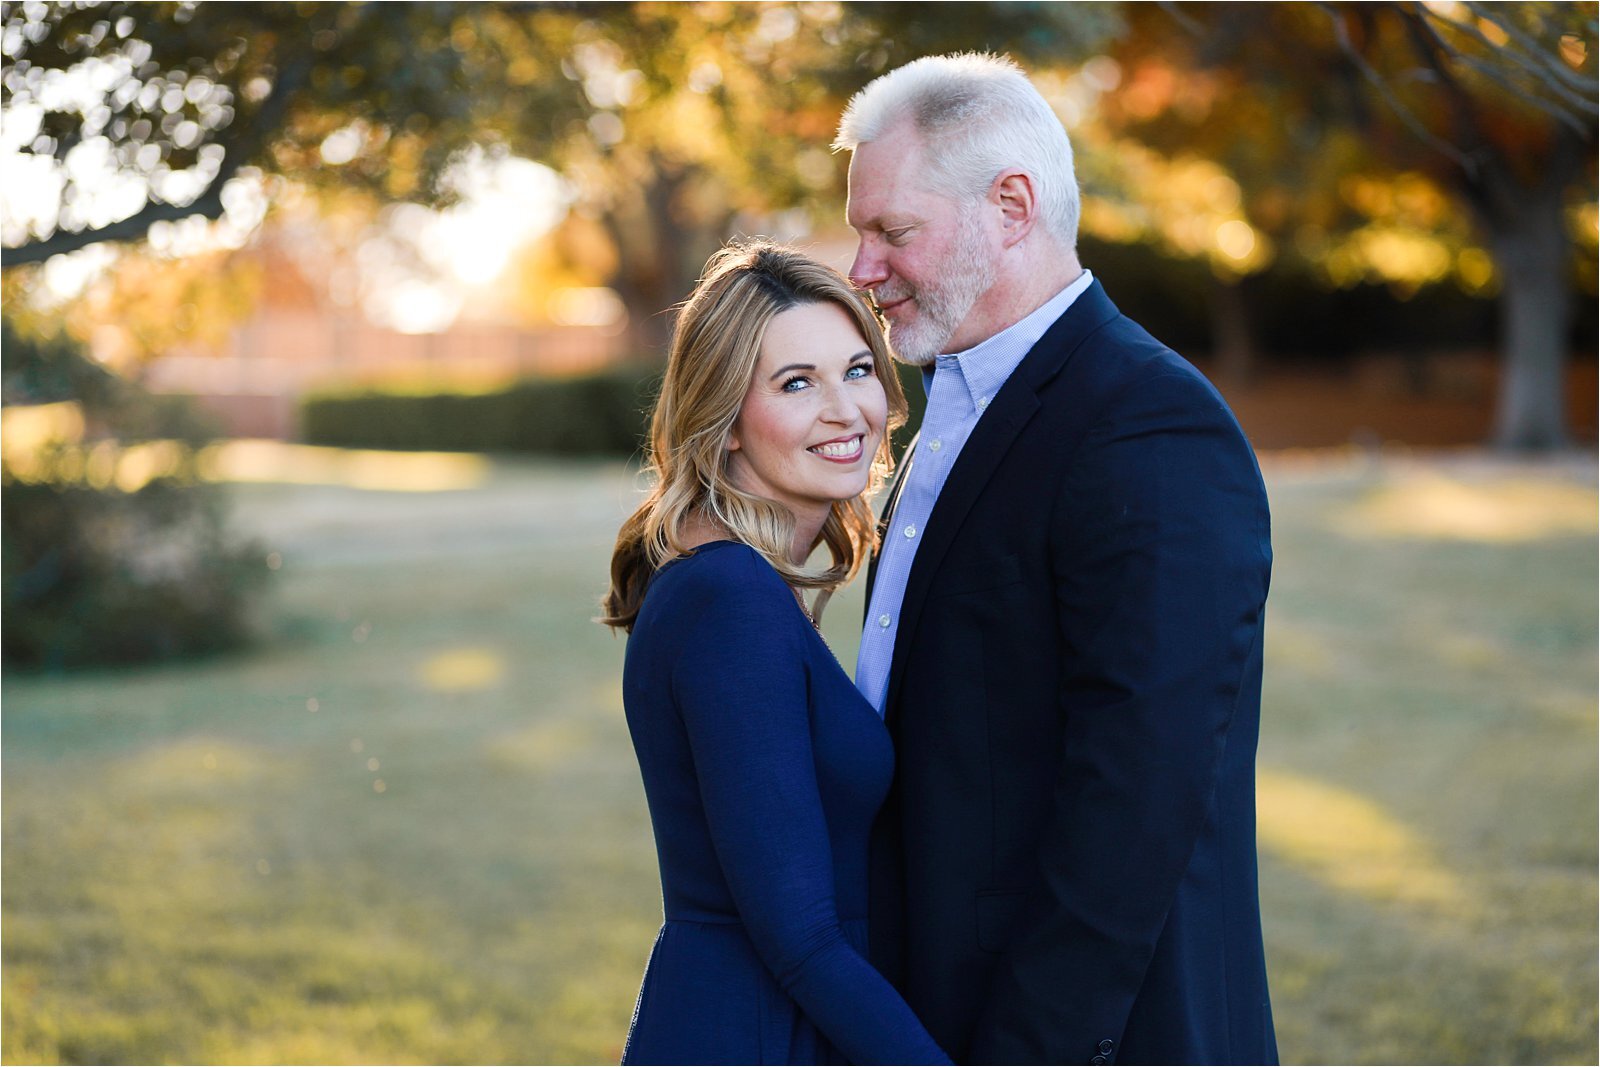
{"type": "Point", "coordinates": [888, 513]}
{"type": "Point", "coordinates": [1010, 410]}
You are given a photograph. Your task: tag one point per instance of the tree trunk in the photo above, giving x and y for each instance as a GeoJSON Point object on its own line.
{"type": "Point", "coordinates": [1233, 347]}
{"type": "Point", "coordinates": [1528, 238]}
{"type": "Point", "coordinates": [1535, 304]}
{"type": "Point", "coordinates": [662, 246]}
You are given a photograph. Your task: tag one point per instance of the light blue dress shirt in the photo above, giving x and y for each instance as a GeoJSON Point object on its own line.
{"type": "Point", "coordinates": [963, 385]}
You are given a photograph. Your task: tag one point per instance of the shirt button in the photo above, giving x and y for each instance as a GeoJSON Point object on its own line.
{"type": "Point", "coordinates": [911, 531]}
{"type": "Point", "coordinates": [934, 445]}
{"type": "Point", "coordinates": [883, 621]}
{"type": "Point", "coordinates": [983, 402]}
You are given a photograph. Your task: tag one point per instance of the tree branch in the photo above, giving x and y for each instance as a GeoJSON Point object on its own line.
{"type": "Point", "coordinates": [1501, 78]}
{"type": "Point", "coordinates": [1534, 68]}
{"type": "Point", "coordinates": [1398, 106]}
{"type": "Point", "coordinates": [1548, 64]}
{"type": "Point", "coordinates": [1192, 25]}
{"type": "Point", "coordinates": [267, 119]}
{"type": "Point", "coordinates": [207, 205]}
{"type": "Point", "coordinates": [1469, 120]}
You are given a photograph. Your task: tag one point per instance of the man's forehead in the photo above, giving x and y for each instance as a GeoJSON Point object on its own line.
{"type": "Point", "coordinates": [886, 182]}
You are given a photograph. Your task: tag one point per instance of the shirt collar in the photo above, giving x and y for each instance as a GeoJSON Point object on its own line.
{"type": "Point", "coordinates": [984, 367]}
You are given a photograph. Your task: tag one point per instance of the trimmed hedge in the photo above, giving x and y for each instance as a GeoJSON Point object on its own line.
{"type": "Point", "coordinates": [601, 414]}
{"type": "Point", "coordinates": [598, 415]}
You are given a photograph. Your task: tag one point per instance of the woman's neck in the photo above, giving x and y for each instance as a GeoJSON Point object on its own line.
{"type": "Point", "coordinates": [701, 529]}
{"type": "Point", "coordinates": [806, 531]}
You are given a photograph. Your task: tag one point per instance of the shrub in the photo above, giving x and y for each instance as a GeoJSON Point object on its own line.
{"type": "Point", "coordinates": [595, 415]}
{"type": "Point", "coordinates": [114, 550]}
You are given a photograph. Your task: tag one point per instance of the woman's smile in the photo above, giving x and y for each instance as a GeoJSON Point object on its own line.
{"type": "Point", "coordinates": [841, 449]}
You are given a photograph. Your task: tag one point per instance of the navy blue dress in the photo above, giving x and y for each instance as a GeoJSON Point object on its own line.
{"type": "Point", "coordinates": [763, 769]}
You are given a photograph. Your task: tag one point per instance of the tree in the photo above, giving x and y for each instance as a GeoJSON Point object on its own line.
{"type": "Point", "coordinates": [1354, 127]}
{"type": "Point", "coordinates": [167, 102]}
{"type": "Point", "coordinates": [676, 124]}
{"type": "Point", "coordinates": [685, 123]}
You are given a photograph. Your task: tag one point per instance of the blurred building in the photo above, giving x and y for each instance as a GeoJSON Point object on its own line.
{"type": "Point", "coordinates": [299, 339]}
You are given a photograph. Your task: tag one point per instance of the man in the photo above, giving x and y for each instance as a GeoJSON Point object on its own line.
{"type": "Point", "coordinates": [1064, 622]}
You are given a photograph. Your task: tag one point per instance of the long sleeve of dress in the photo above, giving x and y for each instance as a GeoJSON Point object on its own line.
{"type": "Point", "coordinates": [741, 684]}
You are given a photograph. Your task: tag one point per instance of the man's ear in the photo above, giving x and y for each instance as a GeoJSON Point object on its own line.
{"type": "Point", "coordinates": [1014, 194]}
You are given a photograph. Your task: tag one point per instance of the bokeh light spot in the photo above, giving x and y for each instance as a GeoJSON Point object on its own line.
{"type": "Point", "coordinates": [1427, 505]}
{"type": "Point", "coordinates": [463, 669]}
{"type": "Point", "coordinates": [392, 472]}
{"type": "Point", "coordinates": [1349, 842]}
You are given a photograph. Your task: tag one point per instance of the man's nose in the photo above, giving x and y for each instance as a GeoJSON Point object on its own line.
{"type": "Point", "coordinates": [869, 269]}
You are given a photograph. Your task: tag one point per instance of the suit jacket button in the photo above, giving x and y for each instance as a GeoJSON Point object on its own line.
{"type": "Point", "coordinates": [1106, 1046]}
{"type": "Point", "coordinates": [1098, 1060]}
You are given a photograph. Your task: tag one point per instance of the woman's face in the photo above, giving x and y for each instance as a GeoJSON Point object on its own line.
{"type": "Point", "coordinates": [813, 416]}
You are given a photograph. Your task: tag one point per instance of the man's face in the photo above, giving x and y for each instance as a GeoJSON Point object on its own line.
{"type": "Point", "coordinates": [926, 258]}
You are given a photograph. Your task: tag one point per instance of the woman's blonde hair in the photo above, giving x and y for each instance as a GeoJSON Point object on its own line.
{"type": "Point", "coordinates": [715, 346]}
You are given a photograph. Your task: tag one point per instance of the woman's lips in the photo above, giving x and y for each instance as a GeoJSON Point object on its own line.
{"type": "Point", "coordinates": [843, 450]}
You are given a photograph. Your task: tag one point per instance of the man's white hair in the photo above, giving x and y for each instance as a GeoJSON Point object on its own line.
{"type": "Point", "coordinates": [977, 114]}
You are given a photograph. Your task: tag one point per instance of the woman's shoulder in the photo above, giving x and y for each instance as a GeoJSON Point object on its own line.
{"type": "Point", "coordinates": [726, 573]}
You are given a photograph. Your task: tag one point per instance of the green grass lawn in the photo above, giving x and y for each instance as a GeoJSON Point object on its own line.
{"type": "Point", "coordinates": [407, 827]}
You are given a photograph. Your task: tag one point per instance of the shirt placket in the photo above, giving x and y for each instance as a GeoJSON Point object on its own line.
{"type": "Point", "coordinates": [948, 404]}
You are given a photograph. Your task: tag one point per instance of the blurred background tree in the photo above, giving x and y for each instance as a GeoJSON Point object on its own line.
{"type": "Point", "coordinates": [1329, 146]}
{"type": "Point", "coordinates": [146, 111]}
{"type": "Point", "coordinates": [1407, 143]}
{"type": "Point", "coordinates": [674, 124]}
{"type": "Point", "coordinates": [677, 125]}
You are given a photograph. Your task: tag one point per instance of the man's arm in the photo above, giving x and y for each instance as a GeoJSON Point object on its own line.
{"type": "Point", "coordinates": [1161, 560]}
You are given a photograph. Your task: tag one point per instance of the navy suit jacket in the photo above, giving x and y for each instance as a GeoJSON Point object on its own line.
{"type": "Point", "coordinates": [1065, 870]}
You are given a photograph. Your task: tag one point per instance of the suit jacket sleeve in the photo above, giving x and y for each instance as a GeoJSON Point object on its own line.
{"type": "Point", "coordinates": [741, 686]}
{"type": "Point", "coordinates": [1161, 558]}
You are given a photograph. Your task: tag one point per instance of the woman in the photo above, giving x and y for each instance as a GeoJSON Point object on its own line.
{"type": "Point", "coordinates": [762, 765]}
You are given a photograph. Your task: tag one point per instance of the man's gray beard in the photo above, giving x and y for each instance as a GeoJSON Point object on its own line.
{"type": "Point", "coordinates": [944, 303]}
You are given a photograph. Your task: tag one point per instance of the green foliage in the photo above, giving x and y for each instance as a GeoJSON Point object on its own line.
{"type": "Point", "coordinates": [114, 550]}
{"type": "Point", "coordinates": [594, 415]}
{"type": "Point", "coordinates": [674, 125]}
{"type": "Point", "coordinates": [183, 95]}
{"type": "Point", "coordinates": [103, 576]}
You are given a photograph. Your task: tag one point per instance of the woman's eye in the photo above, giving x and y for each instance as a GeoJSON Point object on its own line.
{"type": "Point", "coordinates": [795, 384]}
{"type": "Point", "coordinates": [859, 370]}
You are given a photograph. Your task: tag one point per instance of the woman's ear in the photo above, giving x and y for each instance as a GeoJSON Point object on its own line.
{"type": "Point", "coordinates": [732, 444]}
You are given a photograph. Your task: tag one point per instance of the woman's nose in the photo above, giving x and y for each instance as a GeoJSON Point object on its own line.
{"type": "Point", "coordinates": [838, 407]}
